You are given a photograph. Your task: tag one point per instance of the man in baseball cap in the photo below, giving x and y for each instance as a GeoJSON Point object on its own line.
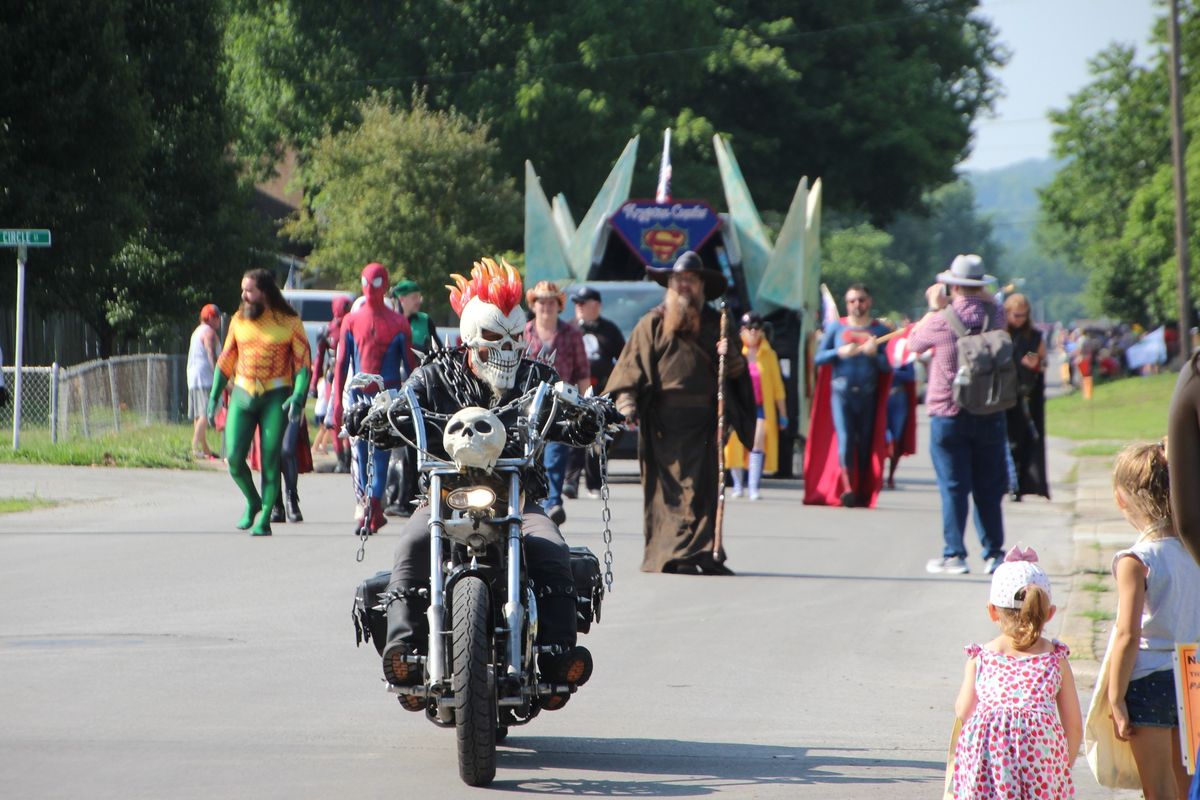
{"type": "Point", "coordinates": [603, 342]}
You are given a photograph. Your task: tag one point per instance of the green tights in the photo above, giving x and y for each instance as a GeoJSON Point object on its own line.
{"type": "Point", "coordinates": [246, 413]}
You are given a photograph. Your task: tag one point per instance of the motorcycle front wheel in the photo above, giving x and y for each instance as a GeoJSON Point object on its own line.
{"type": "Point", "coordinates": [474, 682]}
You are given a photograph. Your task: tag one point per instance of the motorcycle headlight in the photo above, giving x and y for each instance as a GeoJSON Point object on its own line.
{"type": "Point", "coordinates": [474, 498]}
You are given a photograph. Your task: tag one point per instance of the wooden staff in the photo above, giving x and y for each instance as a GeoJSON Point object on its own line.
{"type": "Point", "coordinates": [718, 550]}
{"type": "Point", "coordinates": [888, 336]}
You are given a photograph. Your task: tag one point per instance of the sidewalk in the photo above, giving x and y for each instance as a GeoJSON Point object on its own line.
{"type": "Point", "coordinates": [1099, 531]}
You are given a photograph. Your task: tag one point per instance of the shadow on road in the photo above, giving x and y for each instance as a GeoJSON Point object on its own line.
{"type": "Point", "coordinates": [676, 768]}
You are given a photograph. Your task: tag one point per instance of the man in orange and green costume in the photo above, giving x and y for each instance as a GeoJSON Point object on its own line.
{"type": "Point", "coordinates": [266, 357]}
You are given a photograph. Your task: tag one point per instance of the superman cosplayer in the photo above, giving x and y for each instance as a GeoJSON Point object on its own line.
{"type": "Point", "coordinates": [846, 448]}
{"type": "Point", "coordinates": [377, 341]}
{"type": "Point", "coordinates": [266, 357]}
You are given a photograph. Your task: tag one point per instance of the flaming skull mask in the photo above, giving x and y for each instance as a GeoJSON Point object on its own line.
{"type": "Point", "coordinates": [491, 322]}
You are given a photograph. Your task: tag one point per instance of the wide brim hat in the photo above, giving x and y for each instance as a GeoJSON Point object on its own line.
{"type": "Point", "coordinates": [715, 284]}
{"type": "Point", "coordinates": [966, 270]}
{"type": "Point", "coordinates": [545, 289]}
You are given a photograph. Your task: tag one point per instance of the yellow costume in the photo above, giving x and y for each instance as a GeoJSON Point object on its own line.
{"type": "Point", "coordinates": [736, 454]}
{"type": "Point", "coordinates": [267, 360]}
{"type": "Point", "coordinates": [264, 353]}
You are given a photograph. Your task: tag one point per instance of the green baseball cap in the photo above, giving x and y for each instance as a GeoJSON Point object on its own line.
{"type": "Point", "coordinates": [405, 287]}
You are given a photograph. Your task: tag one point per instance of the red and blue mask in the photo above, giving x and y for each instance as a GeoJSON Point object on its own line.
{"type": "Point", "coordinates": [374, 283]}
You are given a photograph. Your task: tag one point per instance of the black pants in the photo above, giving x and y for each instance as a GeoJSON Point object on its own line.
{"type": "Point", "coordinates": [547, 560]}
{"type": "Point", "coordinates": [287, 456]}
{"type": "Point", "coordinates": [587, 461]}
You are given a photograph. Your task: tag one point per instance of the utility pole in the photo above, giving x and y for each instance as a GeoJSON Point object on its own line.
{"type": "Point", "coordinates": [1183, 262]}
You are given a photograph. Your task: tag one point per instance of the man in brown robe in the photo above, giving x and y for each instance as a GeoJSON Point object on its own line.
{"type": "Point", "coordinates": [666, 379]}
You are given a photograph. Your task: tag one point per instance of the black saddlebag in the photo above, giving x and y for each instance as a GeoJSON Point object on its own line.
{"type": "Point", "coordinates": [589, 587]}
{"type": "Point", "coordinates": [370, 621]}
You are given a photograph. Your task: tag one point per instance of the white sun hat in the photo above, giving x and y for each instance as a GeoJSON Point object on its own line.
{"type": "Point", "coordinates": [1019, 569]}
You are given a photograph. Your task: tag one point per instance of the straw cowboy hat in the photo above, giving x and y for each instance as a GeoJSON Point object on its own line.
{"type": "Point", "coordinates": [965, 270]}
{"type": "Point", "coordinates": [714, 282]}
{"type": "Point", "coordinates": [545, 289]}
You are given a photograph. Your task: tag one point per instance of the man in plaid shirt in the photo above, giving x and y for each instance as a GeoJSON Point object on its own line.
{"type": "Point", "coordinates": [967, 449]}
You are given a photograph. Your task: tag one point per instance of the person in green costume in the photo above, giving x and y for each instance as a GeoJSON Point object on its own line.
{"type": "Point", "coordinates": [408, 295]}
{"type": "Point", "coordinates": [266, 358]}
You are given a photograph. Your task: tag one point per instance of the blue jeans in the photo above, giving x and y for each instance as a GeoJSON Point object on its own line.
{"type": "Point", "coordinates": [379, 464]}
{"type": "Point", "coordinates": [968, 457]}
{"type": "Point", "coordinates": [556, 456]}
{"type": "Point", "coordinates": [854, 423]}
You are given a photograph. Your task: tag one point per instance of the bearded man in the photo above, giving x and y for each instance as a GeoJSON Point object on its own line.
{"type": "Point", "coordinates": [267, 358]}
{"type": "Point", "coordinates": [666, 381]}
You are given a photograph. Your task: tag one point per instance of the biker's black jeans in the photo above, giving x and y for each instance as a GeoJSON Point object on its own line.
{"type": "Point", "coordinates": [547, 560]}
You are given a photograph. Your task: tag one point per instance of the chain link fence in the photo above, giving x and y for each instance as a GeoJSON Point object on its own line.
{"type": "Point", "coordinates": [98, 397]}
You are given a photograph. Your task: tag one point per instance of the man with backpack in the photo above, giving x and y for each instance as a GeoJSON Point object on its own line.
{"type": "Point", "coordinates": [972, 382]}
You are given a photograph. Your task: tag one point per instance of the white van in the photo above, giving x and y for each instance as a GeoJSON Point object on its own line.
{"type": "Point", "coordinates": [315, 307]}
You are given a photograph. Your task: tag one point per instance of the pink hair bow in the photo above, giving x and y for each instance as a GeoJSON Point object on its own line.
{"type": "Point", "coordinates": [1017, 554]}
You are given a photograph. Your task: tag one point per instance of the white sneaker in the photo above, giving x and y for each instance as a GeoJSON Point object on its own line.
{"type": "Point", "coordinates": [754, 495]}
{"type": "Point", "coordinates": [948, 566]}
{"type": "Point", "coordinates": [737, 493]}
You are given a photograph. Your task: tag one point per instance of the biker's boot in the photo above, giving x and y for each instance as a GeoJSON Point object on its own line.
{"type": "Point", "coordinates": [405, 621]}
{"type": "Point", "coordinates": [292, 506]}
{"type": "Point", "coordinates": [574, 667]}
{"type": "Point", "coordinates": [757, 457]}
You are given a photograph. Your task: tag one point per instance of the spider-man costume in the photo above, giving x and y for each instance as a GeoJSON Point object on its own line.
{"type": "Point", "coordinates": [378, 341]}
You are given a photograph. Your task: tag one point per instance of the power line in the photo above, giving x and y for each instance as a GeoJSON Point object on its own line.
{"type": "Point", "coordinates": [632, 57]}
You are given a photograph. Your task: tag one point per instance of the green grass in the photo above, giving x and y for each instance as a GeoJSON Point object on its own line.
{"type": "Point", "coordinates": [160, 445]}
{"type": "Point", "coordinates": [12, 505]}
{"type": "Point", "coordinates": [1098, 449]}
{"type": "Point", "coordinates": [1096, 586]}
{"type": "Point", "coordinates": [1099, 616]}
{"type": "Point", "coordinates": [1125, 410]}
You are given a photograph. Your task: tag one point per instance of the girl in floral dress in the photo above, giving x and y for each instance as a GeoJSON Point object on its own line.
{"type": "Point", "coordinates": [1021, 720]}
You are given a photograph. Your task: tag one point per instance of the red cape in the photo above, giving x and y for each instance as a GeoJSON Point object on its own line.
{"type": "Point", "coordinates": [897, 350]}
{"type": "Point", "coordinates": [304, 462]}
{"type": "Point", "coordinates": [822, 473]}
{"type": "Point", "coordinates": [908, 440]}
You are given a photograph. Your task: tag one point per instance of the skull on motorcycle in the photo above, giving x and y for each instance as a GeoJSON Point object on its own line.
{"type": "Point", "coordinates": [496, 340]}
{"type": "Point", "coordinates": [474, 437]}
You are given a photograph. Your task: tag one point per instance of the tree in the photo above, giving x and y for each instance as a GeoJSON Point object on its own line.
{"type": "Point", "coordinates": [858, 254]}
{"type": "Point", "coordinates": [119, 149]}
{"type": "Point", "coordinates": [73, 132]}
{"type": "Point", "coordinates": [875, 96]}
{"type": "Point", "coordinates": [416, 190]}
{"type": "Point", "coordinates": [1114, 134]}
{"type": "Point", "coordinates": [197, 239]}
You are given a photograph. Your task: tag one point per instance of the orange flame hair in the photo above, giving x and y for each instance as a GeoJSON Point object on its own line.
{"type": "Point", "coordinates": [498, 284]}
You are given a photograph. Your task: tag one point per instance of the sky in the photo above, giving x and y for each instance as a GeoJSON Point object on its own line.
{"type": "Point", "coordinates": [1050, 42]}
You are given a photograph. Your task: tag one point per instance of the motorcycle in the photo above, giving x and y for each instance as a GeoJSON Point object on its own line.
{"type": "Point", "coordinates": [480, 667]}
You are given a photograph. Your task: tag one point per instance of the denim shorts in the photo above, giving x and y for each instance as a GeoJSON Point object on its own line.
{"type": "Point", "coordinates": [1151, 701]}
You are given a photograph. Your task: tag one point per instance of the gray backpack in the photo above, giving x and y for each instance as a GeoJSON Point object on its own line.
{"type": "Point", "coordinates": [986, 380]}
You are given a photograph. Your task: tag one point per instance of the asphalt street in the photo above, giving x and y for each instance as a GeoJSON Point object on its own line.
{"type": "Point", "coordinates": [149, 650]}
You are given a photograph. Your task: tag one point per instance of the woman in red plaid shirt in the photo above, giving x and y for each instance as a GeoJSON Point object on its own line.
{"type": "Point", "coordinates": [546, 332]}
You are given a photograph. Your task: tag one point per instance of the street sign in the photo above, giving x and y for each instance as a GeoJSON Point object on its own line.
{"type": "Point", "coordinates": [27, 237]}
